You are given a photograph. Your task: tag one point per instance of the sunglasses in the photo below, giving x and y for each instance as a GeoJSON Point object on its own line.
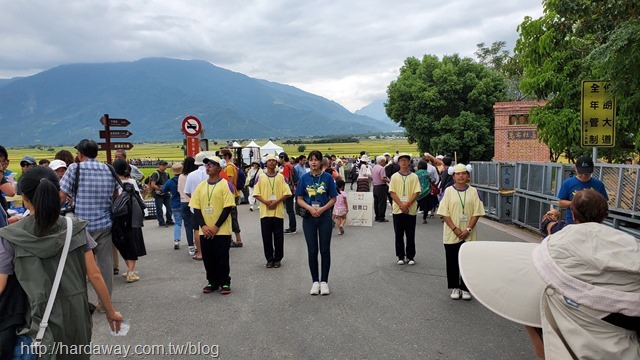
{"type": "Point", "coordinates": [211, 164]}
{"type": "Point", "coordinates": [26, 163]}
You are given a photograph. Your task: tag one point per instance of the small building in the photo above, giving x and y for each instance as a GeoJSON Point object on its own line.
{"type": "Point", "coordinates": [515, 139]}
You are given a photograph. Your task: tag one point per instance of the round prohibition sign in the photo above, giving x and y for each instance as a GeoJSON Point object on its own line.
{"type": "Point", "coordinates": [191, 126]}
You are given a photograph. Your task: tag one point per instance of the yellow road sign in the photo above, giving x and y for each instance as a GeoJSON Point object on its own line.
{"type": "Point", "coordinates": [598, 112]}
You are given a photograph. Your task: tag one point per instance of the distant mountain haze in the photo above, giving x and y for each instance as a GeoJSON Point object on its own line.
{"type": "Point", "coordinates": [376, 111]}
{"type": "Point", "coordinates": [64, 104]}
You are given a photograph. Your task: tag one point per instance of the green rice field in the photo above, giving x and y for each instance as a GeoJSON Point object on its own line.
{"type": "Point", "coordinates": [173, 152]}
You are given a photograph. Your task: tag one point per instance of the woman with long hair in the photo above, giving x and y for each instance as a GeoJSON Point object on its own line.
{"type": "Point", "coordinates": [34, 246]}
{"type": "Point", "coordinates": [187, 168]}
{"type": "Point", "coordinates": [127, 230]}
{"type": "Point", "coordinates": [316, 193]}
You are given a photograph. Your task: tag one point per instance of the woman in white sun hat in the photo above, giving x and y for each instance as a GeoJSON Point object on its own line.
{"type": "Point", "coordinates": [460, 209]}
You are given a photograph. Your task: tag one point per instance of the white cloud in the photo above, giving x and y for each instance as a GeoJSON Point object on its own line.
{"type": "Point", "coordinates": [345, 51]}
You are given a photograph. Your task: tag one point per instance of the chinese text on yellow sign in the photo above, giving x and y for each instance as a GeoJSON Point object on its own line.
{"type": "Point", "coordinates": [598, 115]}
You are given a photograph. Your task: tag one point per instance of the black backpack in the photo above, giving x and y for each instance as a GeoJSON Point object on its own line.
{"type": "Point", "coordinates": [242, 179]}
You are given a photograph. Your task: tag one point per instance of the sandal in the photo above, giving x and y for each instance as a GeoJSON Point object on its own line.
{"type": "Point", "coordinates": [196, 257]}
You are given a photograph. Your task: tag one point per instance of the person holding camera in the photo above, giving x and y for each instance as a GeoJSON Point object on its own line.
{"type": "Point", "coordinates": [156, 182]}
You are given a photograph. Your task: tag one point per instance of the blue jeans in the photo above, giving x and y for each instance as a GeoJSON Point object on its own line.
{"type": "Point", "coordinates": [186, 219]}
{"type": "Point", "coordinates": [177, 219]}
{"type": "Point", "coordinates": [317, 233]}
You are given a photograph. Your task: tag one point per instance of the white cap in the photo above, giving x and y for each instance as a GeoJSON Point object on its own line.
{"type": "Point", "coordinates": [57, 164]}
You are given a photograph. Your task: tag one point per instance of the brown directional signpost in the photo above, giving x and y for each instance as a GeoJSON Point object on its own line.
{"type": "Point", "coordinates": [107, 134]}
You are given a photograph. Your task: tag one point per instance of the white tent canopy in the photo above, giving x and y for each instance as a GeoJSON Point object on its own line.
{"type": "Point", "coordinates": [270, 148]}
{"type": "Point", "coordinates": [251, 152]}
{"type": "Point", "coordinates": [236, 144]}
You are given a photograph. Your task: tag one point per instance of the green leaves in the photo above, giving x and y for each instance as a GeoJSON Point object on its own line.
{"type": "Point", "coordinates": [578, 40]}
{"type": "Point", "coordinates": [447, 106]}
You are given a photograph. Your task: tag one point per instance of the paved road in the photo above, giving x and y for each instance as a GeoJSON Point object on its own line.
{"type": "Point", "coordinates": [376, 310]}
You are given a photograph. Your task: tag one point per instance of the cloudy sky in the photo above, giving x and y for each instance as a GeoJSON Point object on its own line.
{"type": "Point", "coordinates": [347, 51]}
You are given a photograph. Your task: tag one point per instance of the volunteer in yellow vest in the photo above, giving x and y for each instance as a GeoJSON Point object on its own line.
{"type": "Point", "coordinates": [271, 189]}
{"type": "Point", "coordinates": [232, 172]}
{"type": "Point", "coordinates": [460, 209]}
{"type": "Point", "coordinates": [212, 202]}
{"type": "Point", "coordinates": [404, 189]}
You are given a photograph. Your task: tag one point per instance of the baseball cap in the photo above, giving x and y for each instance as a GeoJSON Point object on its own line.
{"type": "Point", "coordinates": [163, 162]}
{"type": "Point", "coordinates": [401, 155]}
{"type": "Point", "coordinates": [510, 278]}
{"type": "Point", "coordinates": [57, 164]}
{"type": "Point", "coordinates": [213, 159]}
{"type": "Point", "coordinates": [584, 165]}
{"type": "Point", "coordinates": [283, 154]}
{"type": "Point", "coordinates": [386, 154]}
{"type": "Point", "coordinates": [27, 160]}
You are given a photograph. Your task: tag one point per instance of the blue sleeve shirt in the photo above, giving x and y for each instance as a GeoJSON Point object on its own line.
{"type": "Point", "coordinates": [317, 188]}
{"type": "Point", "coordinates": [572, 185]}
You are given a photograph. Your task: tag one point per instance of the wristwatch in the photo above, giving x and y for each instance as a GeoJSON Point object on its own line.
{"type": "Point", "coordinates": [469, 230]}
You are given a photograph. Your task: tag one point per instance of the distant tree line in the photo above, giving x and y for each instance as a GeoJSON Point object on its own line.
{"type": "Point", "coordinates": [329, 140]}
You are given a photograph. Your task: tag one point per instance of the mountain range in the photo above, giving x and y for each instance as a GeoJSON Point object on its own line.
{"type": "Point", "coordinates": [64, 104]}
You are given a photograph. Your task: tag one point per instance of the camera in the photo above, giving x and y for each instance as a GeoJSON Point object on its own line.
{"type": "Point", "coordinates": [69, 209]}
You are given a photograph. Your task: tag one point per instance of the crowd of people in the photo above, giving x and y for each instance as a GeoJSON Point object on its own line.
{"type": "Point", "coordinates": [200, 196]}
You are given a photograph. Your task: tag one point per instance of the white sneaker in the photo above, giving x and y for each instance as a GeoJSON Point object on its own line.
{"type": "Point", "coordinates": [324, 288]}
{"type": "Point", "coordinates": [251, 208]}
{"type": "Point", "coordinates": [192, 250]}
{"type": "Point", "coordinates": [315, 288]}
{"type": "Point", "coordinates": [400, 262]}
{"type": "Point", "coordinates": [411, 262]}
{"type": "Point", "coordinates": [466, 295]}
{"type": "Point", "coordinates": [455, 294]}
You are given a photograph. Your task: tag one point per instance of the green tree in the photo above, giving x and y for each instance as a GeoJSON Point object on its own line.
{"type": "Point", "coordinates": [575, 41]}
{"type": "Point", "coordinates": [301, 148]}
{"type": "Point", "coordinates": [497, 58]}
{"type": "Point", "coordinates": [447, 106]}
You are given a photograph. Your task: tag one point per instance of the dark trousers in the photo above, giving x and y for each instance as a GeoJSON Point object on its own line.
{"type": "Point", "coordinates": [235, 225]}
{"type": "Point", "coordinates": [405, 224]}
{"type": "Point", "coordinates": [380, 193]}
{"type": "Point", "coordinates": [166, 201]}
{"type": "Point", "coordinates": [215, 256]}
{"type": "Point", "coordinates": [317, 233]}
{"type": "Point", "coordinates": [454, 280]}
{"type": "Point", "coordinates": [187, 215]}
{"type": "Point", "coordinates": [288, 204]}
{"type": "Point", "coordinates": [272, 238]}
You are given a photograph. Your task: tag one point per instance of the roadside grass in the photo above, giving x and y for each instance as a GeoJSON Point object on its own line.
{"type": "Point", "coordinates": [173, 152]}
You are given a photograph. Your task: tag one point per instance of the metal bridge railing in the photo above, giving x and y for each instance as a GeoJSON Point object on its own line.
{"type": "Point", "coordinates": [522, 192]}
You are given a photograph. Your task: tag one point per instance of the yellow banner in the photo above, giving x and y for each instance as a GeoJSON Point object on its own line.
{"type": "Point", "coordinates": [598, 112]}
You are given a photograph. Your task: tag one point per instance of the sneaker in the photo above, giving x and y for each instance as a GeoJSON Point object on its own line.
{"type": "Point", "coordinates": [192, 250]}
{"type": "Point", "coordinates": [455, 294]}
{"type": "Point", "coordinates": [315, 288]}
{"type": "Point", "coordinates": [225, 290]}
{"type": "Point", "coordinates": [132, 277]}
{"type": "Point", "coordinates": [466, 295]}
{"type": "Point", "coordinates": [176, 245]}
{"type": "Point", "coordinates": [324, 288]}
{"type": "Point", "coordinates": [170, 223]}
{"type": "Point", "coordinates": [277, 264]}
{"type": "Point", "coordinates": [126, 273]}
{"type": "Point", "coordinates": [209, 289]}
{"type": "Point", "coordinates": [163, 225]}
{"type": "Point", "coordinates": [400, 262]}
{"type": "Point", "coordinates": [269, 265]}
{"type": "Point", "coordinates": [289, 232]}
{"type": "Point", "coordinates": [424, 221]}
{"type": "Point", "coordinates": [341, 231]}
{"type": "Point", "coordinates": [116, 271]}
{"type": "Point", "coordinates": [384, 220]}
{"type": "Point", "coordinates": [411, 262]}
{"type": "Point", "coordinates": [235, 244]}
{"type": "Point", "coordinates": [250, 208]}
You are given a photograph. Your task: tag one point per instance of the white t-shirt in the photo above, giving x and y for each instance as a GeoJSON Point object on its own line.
{"type": "Point", "coordinates": [194, 178]}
